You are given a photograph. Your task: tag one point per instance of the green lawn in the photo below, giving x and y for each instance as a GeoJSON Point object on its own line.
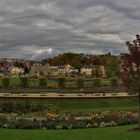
{"type": "Point", "coordinates": [83, 105]}
{"type": "Point", "coordinates": [86, 105]}
{"type": "Point", "coordinates": [112, 133]}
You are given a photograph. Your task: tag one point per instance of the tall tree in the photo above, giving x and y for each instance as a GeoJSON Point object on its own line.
{"type": "Point", "coordinates": [131, 68]}
{"type": "Point", "coordinates": [80, 82]}
{"type": "Point", "coordinates": [24, 82]}
{"type": "Point", "coordinates": [26, 70]}
{"type": "Point", "coordinates": [96, 82]}
{"type": "Point", "coordinates": [5, 82]}
{"type": "Point", "coordinates": [112, 66]}
{"type": "Point", "coordinates": [61, 83]}
{"type": "Point", "coordinates": [95, 73]}
{"type": "Point", "coordinates": [42, 82]}
{"type": "Point", "coordinates": [114, 82]}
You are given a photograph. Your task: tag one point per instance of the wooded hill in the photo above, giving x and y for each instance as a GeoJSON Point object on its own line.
{"type": "Point", "coordinates": [111, 62]}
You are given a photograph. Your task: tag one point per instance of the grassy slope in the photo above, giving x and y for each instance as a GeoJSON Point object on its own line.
{"type": "Point", "coordinates": [113, 133]}
{"type": "Point", "coordinates": [94, 105]}
{"type": "Point", "coordinates": [84, 105]}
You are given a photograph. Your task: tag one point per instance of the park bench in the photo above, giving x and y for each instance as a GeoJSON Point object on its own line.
{"type": "Point", "coordinates": [6, 94]}
{"type": "Point", "coordinates": [43, 94]}
{"type": "Point", "coordinates": [61, 94]}
{"type": "Point", "coordinates": [97, 94]}
{"type": "Point", "coordinates": [15, 93]}
{"type": "Point", "coordinates": [88, 92]}
{"type": "Point", "coordinates": [79, 94]}
{"type": "Point", "coordinates": [24, 94]}
{"type": "Point", "coordinates": [113, 94]}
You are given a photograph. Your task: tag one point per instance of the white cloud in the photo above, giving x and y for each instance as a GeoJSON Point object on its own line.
{"type": "Point", "coordinates": [110, 38]}
{"type": "Point", "coordinates": [50, 24]}
{"type": "Point", "coordinates": [37, 52]}
{"type": "Point", "coordinates": [42, 28]}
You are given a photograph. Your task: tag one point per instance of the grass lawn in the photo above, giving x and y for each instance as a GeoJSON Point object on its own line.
{"type": "Point", "coordinates": [82, 105]}
{"type": "Point", "coordinates": [94, 105]}
{"type": "Point", "coordinates": [112, 133]}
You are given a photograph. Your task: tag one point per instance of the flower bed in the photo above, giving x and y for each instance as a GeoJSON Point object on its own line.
{"type": "Point", "coordinates": [52, 120]}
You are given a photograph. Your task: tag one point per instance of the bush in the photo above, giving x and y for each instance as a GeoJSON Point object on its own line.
{"type": "Point", "coordinates": [24, 82]}
{"type": "Point", "coordinates": [42, 82]}
{"type": "Point", "coordinates": [61, 82]}
{"type": "Point", "coordinates": [52, 85]}
{"type": "Point", "coordinates": [114, 82]}
{"type": "Point", "coordinates": [96, 82]}
{"type": "Point", "coordinates": [5, 82]}
{"type": "Point", "coordinates": [80, 82]}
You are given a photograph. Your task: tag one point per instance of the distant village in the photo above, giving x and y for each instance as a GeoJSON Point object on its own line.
{"type": "Point", "coordinates": [68, 64]}
{"type": "Point", "coordinates": [16, 67]}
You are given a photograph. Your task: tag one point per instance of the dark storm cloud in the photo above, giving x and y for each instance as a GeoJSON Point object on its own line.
{"type": "Point", "coordinates": [34, 29]}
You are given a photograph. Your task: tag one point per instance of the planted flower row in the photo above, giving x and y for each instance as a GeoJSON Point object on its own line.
{"type": "Point", "coordinates": [52, 120]}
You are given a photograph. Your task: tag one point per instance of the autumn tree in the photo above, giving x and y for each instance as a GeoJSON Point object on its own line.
{"type": "Point", "coordinates": [131, 68]}
{"type": "Point", "coordinates": [18, 64]}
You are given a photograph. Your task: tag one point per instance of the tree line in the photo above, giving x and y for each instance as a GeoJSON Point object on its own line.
{"type": "Point", "coordinates": [111, 63]}
{"type": "Point", "coordinates": [61, 82]}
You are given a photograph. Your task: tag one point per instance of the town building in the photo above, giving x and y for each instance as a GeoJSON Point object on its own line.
{"type": "Point", "coordinates": [102, 71]}
{"type": "Point", "coordinates": [16, 71]}
{"type": "Point", "coordinates": [67, 69]}
{"type": "Point", "coordinates": [40, 69]}
{"type": "Point", "coordinates": [53, 71]}
{"type": "Point", "coordinates": [87, 70]}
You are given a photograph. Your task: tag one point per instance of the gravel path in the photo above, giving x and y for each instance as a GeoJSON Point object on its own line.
{"type": "Point", "coordinates": [67, 95]}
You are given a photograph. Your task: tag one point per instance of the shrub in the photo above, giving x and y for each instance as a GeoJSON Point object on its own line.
{"type": "Point", "coordinates": [97, 82]}
{"type": "Point", "coordinates": [114, 82]}
{"type": "Point", "coordinates": [5, 82]}
{"type": "Point", "coordinates": [24, 82]}
{"type": "Point", "coordinates": [80, 82]}
{"type": "Point", "coordinates": [42, 82]}
{"type": "Point", "coordinates": [61, 82]}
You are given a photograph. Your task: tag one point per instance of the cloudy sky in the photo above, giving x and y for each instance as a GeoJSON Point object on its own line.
{"type": "Point", "coordinates": [34, 29]}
